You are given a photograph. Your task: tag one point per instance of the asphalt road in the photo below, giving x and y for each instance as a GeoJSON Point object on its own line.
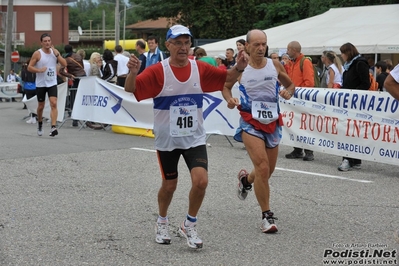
{"type": "Point", "coordinates": [89, 197]}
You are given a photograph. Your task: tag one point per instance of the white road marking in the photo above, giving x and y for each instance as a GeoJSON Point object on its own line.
{"type": "Point", "coordinates": [294, 171]}
{"type": "Point", "coordinates": [324, 175]}
{"type": "Point", "coordinates": [140, 149]}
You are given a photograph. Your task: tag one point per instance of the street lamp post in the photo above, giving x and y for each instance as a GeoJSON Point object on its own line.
{"type": "Point", "coordinates": [9, 27]}
{"type": "Point", "coordinates": [124, 26]}
{"type": "Point", "coordinates": [124, 22]}
{"type": "Point", "coordinates": [103, 24]}
{"type": "Point", "coordinates": [117, 21]}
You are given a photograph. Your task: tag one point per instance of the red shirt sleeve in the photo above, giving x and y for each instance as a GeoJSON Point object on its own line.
{"type": "Point", "coordinates": [150, 82]}
{"type": "Point", "coordinates": [212, 78]}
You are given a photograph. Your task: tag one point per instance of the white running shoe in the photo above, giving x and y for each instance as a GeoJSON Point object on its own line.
{"type": "Point", "coordinates": [32, 120]}
{"type": "Point", "coordinates": [53, 132]}
{"type": "Point", "coordinates": [190, 233]}
{"type": "Point", "coordinates": [242, 192]}
{"type": "Point", "coordinates": [345, 166]}
{"type": "Point", "coordinates": [162, 233]}
{"type": "Point", "coordinates": [39, 131]}
{"type": "Point", "coordinates": [268, 226]}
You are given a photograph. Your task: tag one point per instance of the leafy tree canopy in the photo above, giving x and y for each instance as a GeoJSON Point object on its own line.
{"type": "Point", "coordinates": [230, 18]}
{"type": "Point", "coordinates": [84, 11]}
{"type": "Point", "coordinates": [213, 19]}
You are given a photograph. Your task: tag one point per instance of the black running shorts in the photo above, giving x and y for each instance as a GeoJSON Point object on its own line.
{"type": "Point", "coordinates": [194, 157]}
{"type": "Point", "coordinates": [41, 92]}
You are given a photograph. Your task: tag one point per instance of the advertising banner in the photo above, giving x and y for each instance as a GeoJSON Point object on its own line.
{"type": "Point", "coordinates": [352, 123]}
{"type": "Point", "coordinates": [9, 90]}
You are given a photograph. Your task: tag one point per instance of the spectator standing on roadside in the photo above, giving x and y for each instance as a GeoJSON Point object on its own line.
{"type": "Point", "coordinates": [389, 65]}
{"type": "Point", "coordinates": [140, 48]}
{"type": "Point", "coordinates": [230, 58]}
{"type": "Point", "coordinates": [95, 65]}
{"type": "Point", "coordinates": [154, 55]}
{"type": "Point", "coordinates": [274, 56]}
{"type": "Point", "coordinates": [335, 70]}
{"type": "Point", "coordinates": [286, 62]}
{"type": "Point", "coordinates": [86, 63]}
{"type": "Point", "coordinates": [240, 44]}
{"type": "Point", "coordinates": [29, 81]}
{"type": "Point", "coordinates": [324, 72]}
{"type": "Point", "coordinates": [109, 67]}
{"type": "Point", "coordinates": [12, 77]}
{"type": "Point", "coordinates": [122, 69]}
{"type": "Point", "coordinates": [200, 54]}
{"type": "Point", "coordinates": [221, 61]}
{"type": "Point", "coordinates": [355, 77]}
{"type": "Point", "coordinates": [73, 71]}
{"type": "Point", "coordinates": [382, 74]}
{"type": "Point", "coordinates": [302, 77]}
{"type": "Point", "coordinates": [74, 68]}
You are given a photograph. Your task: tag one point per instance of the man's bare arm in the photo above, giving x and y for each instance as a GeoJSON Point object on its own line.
{"type": "Point", "coordinates": [289, 86]}
{"type": "Point", "coordinates": [392, 87]}
{"type": "Point", "coordinates": [31, 67]}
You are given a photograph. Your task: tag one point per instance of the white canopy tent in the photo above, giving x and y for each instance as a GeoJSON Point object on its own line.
{"type": "Point", "coordinates": [372, 29]}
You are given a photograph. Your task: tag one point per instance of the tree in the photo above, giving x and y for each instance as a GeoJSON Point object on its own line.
{"type": "Point", "coordinates": [206, 18]}
{"type": "Point", "coordinates": [81, 12]}
{"type": "Point", "coordinates": [209, 18]}
{"type": "Point", "coordinates": [279, 13]}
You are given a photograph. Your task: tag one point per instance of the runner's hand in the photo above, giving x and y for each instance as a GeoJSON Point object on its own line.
{"type": "Point", "coordinates": [134, 64]}
{"type": "Point", "coordinates": [242, 60]}
{"type": "Point", "coordinates": [233, 102]}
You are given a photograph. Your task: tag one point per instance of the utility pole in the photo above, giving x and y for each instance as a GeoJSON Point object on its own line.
{"type": "Point", "coordinates": [117, 21]}
{"type": "Point", "coordinates": [7, 52]}
{"type": "Point", "coordinates": [103, 24]}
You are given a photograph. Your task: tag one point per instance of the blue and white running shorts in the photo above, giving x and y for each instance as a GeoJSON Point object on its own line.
{"type": "Point", "coordinates": [271, 140]}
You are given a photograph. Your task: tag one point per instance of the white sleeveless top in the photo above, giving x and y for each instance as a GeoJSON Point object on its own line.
{"type": "Point", "coordinates": [178, 120]}
{"type": "Point", "coordinates": [337, 75]}
{"type": "Point", "coordinates": [49, 77]}
{"type": "Point", "coordinates": [258, 92]}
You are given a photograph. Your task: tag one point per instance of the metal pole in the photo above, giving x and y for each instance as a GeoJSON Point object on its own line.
{"type": "Point", "coordinates": [7, 52]}
{"type": "Point", "coordinates": [124, 27]}
{"type": "Point", "coordinates": [117, 20]}
{"type": "Point", "coordinates": [103, 24]}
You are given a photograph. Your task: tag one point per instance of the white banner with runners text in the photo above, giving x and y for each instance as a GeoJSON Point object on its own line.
{"type": "Point", "coordinates": [352, 123]}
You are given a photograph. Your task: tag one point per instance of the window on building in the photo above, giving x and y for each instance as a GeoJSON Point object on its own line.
{"type": "Point", "coordinates": [43, 21]}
